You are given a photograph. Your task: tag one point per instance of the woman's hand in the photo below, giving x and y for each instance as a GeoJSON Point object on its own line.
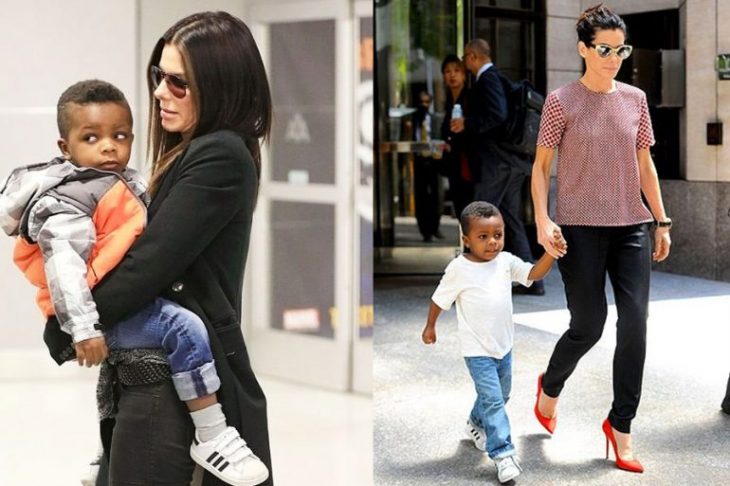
{"type": "Point", "coordinates": [662, 243]}
{"type": "Point", "coordinates": [551, 238]}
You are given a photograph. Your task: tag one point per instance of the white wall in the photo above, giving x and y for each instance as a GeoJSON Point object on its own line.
{"type": "Point", "coordinates": [47, 46]}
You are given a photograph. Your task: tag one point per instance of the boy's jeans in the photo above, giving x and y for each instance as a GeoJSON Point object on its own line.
{"type": "Point", "coordinates": [493, 382]}
{"type": "Point", "coordinates": [165, 324]}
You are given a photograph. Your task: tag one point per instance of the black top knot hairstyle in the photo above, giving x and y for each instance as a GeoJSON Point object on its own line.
{"type": "Point", "coordinates": [597, 18]}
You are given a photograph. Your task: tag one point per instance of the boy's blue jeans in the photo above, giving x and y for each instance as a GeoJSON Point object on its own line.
{"type": "Point", "coordinates": [493, 382]}
{"type": "Point", "coordinates": [165, 324]}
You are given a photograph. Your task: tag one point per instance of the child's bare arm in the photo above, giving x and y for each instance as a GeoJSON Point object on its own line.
{"type": "Point", "coordinates": [429, 332]}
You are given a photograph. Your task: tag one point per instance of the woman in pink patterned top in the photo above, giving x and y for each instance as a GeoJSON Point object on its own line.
{"type": "Point", "coordinates": [602, 132]}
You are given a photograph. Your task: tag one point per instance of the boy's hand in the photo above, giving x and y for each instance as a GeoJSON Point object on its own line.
{"type": "Point", "coordinates": [429, 335]}
{"type": "Point", "coordinates": [91, 351]}
{"type": "Point", "coordinates": [560, 244]}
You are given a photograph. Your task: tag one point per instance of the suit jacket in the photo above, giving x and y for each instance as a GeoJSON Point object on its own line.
{"type": "Point", "coordinates": [194, 252]}
{"type": "Point", "coordinates": [483, 122]}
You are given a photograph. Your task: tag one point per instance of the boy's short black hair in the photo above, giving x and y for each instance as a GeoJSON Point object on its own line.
{"type": "Point", "coordinates": [475, 210]}
{"type": "Point", "coordinates": [82, 93]}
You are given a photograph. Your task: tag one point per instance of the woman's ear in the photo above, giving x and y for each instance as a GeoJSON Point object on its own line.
{"type": "Point", "coordinates": [582, 48]}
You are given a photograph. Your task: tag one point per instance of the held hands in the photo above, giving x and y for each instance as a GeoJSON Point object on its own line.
{"type": "Point", "coordinates": [429, 334]}
{"type": "Point", "coordinates": [662, 243]}
{"type": "Point", "coordinates": [559, 242]}
{"type": "Point", "coordinates": [551, 238]}
{"type": "Point", "coordinates": [91, 351]}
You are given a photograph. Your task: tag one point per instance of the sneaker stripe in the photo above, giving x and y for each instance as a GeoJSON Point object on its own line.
{"type": "Point", "coordinates": [223, 466]}
{"type": "Point", "coordinates": [211, 457]}
{"type": "Point", "coordinates": [195, 441]}
{"type": "Point", "coordinates": [218, 461]}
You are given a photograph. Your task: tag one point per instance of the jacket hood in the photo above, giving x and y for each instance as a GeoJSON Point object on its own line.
{"type": "Point", "coordinates": [24, 184]}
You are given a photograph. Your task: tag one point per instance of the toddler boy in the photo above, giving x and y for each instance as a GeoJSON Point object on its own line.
{"type": "Point", "coordinates": [76, 217]}
{"type": "Point", "coordinates": [480, 282]}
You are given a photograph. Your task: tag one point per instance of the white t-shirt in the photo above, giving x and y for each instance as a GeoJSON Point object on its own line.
{"type": "Point", "coordinates": [483, 295]}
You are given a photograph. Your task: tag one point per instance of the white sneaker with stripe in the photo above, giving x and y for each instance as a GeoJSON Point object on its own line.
{"type": "Point", "coordinates": [229, 459]}
{"type": "Point", "coordinates": [477, 435]}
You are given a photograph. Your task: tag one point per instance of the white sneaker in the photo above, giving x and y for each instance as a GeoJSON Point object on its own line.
{"type": "Point", "coordinates": [507, 468]}
{"type": "Point", "coordinates": [229, 459]}
{"type": "Point", "coordinates": [477, 434]}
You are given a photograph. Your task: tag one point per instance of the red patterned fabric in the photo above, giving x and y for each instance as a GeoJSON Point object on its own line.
{"type": "Point", "coordinates": [597, 136]}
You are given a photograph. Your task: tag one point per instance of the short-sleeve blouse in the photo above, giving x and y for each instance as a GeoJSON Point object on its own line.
{"type": "Point", "coordinates": [597, 136]}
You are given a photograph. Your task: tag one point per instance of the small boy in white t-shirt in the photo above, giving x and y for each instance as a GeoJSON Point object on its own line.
{"type": "Point", "coordinates": [480, 282]}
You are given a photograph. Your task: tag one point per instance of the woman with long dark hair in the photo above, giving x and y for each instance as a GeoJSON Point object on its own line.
{"type": "Point", "coordinates": [210, 107]}
{"type": "Point", "coordinates": [602, 131]}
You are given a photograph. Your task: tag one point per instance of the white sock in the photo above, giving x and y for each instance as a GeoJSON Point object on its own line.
{"type": "Point", "coordinates": [209, 421]}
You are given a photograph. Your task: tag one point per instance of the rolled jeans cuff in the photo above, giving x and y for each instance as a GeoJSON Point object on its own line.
{"type": "Point", "coordinates": [197, 383]}
{"type": "Point", "coordinates": [505, 452]}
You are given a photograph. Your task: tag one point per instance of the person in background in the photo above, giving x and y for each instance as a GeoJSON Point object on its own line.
{"type": "Point", "coordinates": [500, 174]}
{"type": "Point", "coordinates": [455, 163]}
{"type": "Point", "coordinates": [428, 189]}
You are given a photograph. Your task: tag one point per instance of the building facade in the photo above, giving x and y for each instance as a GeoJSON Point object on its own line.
{"type": "Point", "coordinates": [677, 44]}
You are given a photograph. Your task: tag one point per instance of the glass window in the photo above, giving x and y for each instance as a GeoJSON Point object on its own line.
{"type": "Point", "coordinates": [415, 38]}
{"type": "Point", "coordinates": [364, 100]}
{"type": "Point", "coordinates": [511, 42]}
{"type": "Point", "coordinates": [303, 268]}
{"type": "Point", "coordinates": [511, 4]}
{"type": "Point", "coordinates": [302, 77]}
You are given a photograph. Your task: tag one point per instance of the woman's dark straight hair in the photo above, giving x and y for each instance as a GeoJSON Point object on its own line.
{"type": "Point", "coordinates": [228, 83]}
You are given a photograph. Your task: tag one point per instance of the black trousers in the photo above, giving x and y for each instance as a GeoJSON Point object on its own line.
{"type": "Point", "coordinates": [625, 254]}
{"type": "Point", "coordinates": [501, 184]}
{"type": "Point", "coordinates": [152, 437]}
{"type": "Point", "coordinates": [461, 192]}
{"type": "Point", "coordinates": [428, 196]}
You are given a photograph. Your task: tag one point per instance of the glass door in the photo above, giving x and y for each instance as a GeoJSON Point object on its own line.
{"type": "Point", "coordinates": [362, 373]}
{"type": "Point", "coordinates": [303, 289]}
{"type": "Point", "coordinates": [416, 229]}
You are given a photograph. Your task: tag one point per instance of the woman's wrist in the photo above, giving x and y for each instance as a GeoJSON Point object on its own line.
{"type": "Point", "coordinates": [542, 220]}
{"type": "Point", "coordinates": [663, 223]}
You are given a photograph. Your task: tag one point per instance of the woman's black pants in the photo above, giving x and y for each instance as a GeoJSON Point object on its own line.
{"type": "Point", "coordinates": [624, 253]}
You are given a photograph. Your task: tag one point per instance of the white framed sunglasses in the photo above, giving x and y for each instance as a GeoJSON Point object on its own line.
{"type": "Point", "coordinates": [604, 50]}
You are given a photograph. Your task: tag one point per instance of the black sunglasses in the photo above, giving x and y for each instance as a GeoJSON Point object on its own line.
{"type": "Point", "coordinates": [175, 84]}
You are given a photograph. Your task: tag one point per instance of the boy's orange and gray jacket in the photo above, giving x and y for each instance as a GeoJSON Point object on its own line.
{"type": "Point", "coordinates": [74, 225]}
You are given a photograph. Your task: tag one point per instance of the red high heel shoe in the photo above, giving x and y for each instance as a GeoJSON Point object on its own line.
{"type": "Point", "coordinates": [632, 465]}
{"type": "Point", "coordinates": [548, 423]}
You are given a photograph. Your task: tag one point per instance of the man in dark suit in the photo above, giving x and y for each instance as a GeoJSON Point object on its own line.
{"type": "Point", "coordinates": [498, 173]}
